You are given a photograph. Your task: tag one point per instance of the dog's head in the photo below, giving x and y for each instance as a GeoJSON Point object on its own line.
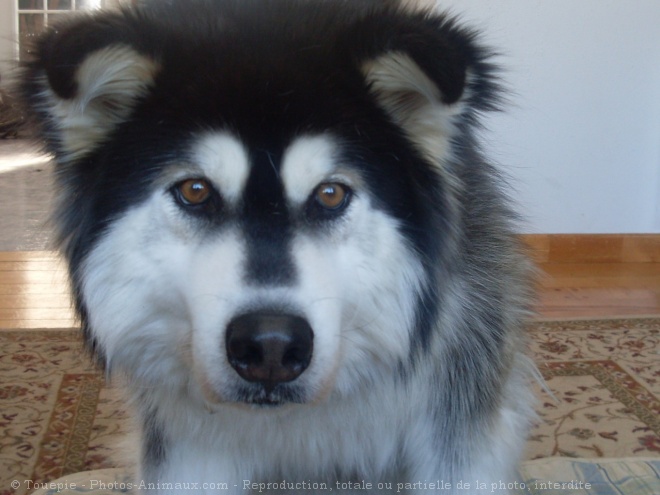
{"type": "Point", "coordinates": [256, 198]}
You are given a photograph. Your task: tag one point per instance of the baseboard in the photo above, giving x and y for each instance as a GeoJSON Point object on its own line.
{"type": "Point", "coordinates": [594, 248]}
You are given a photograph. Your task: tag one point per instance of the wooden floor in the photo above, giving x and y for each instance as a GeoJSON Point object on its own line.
{"type": "Point", "coordinates": [34, 293]}
{"type": "Point", "coordinates": [592, 290]}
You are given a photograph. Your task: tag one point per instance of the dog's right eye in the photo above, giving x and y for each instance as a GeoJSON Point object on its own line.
{"type": "Point", "coordinates": [193, 192]}
{"type": "Point", "coordinates": [196, 195]}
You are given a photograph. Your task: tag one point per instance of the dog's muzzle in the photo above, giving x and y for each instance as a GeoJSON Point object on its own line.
{"type": "Point", "coordinates": [269, 348]}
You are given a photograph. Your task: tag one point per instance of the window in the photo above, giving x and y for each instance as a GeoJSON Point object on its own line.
{"type": "Point", "coordinates": [35, 15]}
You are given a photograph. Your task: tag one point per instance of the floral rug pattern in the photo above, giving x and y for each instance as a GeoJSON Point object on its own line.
{"type": "Point", "coordinates": [605, 379]}
{"type": "Point", "coordinates": [57, 415]}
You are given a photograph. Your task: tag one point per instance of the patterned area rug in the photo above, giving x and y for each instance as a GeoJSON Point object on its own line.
{"type": "Point", "coordinates": [57, 415]}
{"type": "Point", "coordinates": [604, 376]}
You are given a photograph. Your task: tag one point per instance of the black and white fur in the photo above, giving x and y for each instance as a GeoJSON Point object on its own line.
{"type": "Point", "coordinates": [407, 298]}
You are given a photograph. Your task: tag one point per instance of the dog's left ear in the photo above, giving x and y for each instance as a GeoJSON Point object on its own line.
{"type": "Point", "coordinates": [416, 67]}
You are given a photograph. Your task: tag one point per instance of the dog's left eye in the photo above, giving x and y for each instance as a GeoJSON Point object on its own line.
{"type": "Point", "coordinates": [332, 196]}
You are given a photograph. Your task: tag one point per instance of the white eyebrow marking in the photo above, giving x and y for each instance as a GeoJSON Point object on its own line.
{"type": "Point", "coordinates": [225, 161]}
{"type": "Point", "coordinates": [308, 161]}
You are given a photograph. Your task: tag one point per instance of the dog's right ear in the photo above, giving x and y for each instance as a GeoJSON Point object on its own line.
{"type": "Point", "coordinates": [84, 80]}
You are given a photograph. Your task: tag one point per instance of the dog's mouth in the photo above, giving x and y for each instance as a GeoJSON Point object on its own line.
{"type": "Point", "coordinates": [262, 396]}
{"type": "Point", "coordinates": [266, 403]}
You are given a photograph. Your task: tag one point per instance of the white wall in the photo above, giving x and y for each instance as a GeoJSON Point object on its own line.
{"type": "Point", "coordinates": [582, 142]}
{"type": "Point", "coordinates": [7, 36]}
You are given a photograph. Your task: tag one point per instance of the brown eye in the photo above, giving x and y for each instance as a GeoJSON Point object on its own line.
{"type": "Point", "coordinates": [193, 192]}
{"type": "Point", "coordinates": [331, 195]}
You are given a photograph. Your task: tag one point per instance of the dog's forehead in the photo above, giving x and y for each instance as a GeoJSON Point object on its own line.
{"type": "Point", "coordinates": [229, 162]}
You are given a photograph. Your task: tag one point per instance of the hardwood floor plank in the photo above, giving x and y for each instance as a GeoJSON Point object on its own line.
{"type": "Point", "coordinates": [26, 301]}
{"type": "Point", "coordinates": [22, 288]}
{"type": "Point", "coordinates": [594, 248]}
{"type": "Point", "coordinates": [610, 275]}
{"type": "Point", "coordinates": [35, 313]}
{"type": "Point", "coordinates": [29, 256]}
{"type": "Point", "coordinates": [597, 302]}
{"type": "Point", "coordinates": [29, 277]}
{"type": "Point", "coordinates": [32, 266]}
{"type": "Point", "coordinates": [38, 324]}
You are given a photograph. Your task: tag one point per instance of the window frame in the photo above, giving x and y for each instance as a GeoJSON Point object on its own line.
{"type": "Point", "coordinates": [47, 12]}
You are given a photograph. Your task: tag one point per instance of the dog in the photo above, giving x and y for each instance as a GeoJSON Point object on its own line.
{"type": "Point", "coordinates": [282, 232]}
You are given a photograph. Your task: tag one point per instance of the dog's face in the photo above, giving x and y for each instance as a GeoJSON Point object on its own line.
{"type": "Point", "coordinates": [269, 282]}
{"type": "Point", "coordinates": [254, 221]}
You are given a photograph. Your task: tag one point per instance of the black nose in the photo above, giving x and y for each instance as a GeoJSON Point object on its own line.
{"type": "Point", "coordinates": [269, 348]}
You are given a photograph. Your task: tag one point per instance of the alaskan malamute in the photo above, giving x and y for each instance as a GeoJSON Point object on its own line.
{"type": "Point", "coordinates": [282, 232]}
